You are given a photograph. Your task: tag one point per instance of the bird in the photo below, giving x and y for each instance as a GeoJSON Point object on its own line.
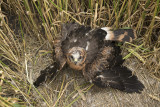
{"type": "Point", "coordinates": [94, 52]}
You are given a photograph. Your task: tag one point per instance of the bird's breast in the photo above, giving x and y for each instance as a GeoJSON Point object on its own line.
{"type": "Point", "coordinates": [77, 67]}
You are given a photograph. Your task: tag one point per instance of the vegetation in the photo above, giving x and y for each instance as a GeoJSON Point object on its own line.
{"type": "Point", "coordinates": [28, 27]}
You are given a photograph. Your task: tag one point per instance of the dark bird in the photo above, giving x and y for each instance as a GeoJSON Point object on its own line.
{"type": "Point", "coordinates": [95, 53]}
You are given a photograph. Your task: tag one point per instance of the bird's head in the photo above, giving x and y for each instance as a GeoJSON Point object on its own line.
{"type": "Point", "coordinates": [76, 56]}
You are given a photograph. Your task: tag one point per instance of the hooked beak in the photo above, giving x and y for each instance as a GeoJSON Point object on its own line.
{"type": "Point", "coordinates": [75, 61]}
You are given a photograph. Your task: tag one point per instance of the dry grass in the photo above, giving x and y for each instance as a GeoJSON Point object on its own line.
{"type": "Point", "coordinates": [27, 28]}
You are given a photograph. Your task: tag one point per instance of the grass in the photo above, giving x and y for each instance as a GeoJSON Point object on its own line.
{"type": "Point", "coordinates": [28, 27]}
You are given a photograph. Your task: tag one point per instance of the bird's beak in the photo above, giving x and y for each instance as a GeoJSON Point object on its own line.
{"type": "Point", "coordinates": [75, 61]}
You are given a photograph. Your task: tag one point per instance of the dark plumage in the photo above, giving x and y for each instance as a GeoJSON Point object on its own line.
{"type": "Point", "coordinates": [94, 52]}
{"type": "Point", "coordinates": [120, 78]}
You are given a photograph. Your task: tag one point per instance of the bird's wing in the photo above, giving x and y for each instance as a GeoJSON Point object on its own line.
{"type": "Point", "coordinates": [107, 70]}
{"type": "Point", "coordinates": [120, 78]}
{"type": "Point", "coordinates": [95, 42]}
{"type": "Point", "coordinates": [122, 35]}
{"type": "Point", "coordinates": [60, 44]}
{"type": "Point", "coordinates": [58, 55]}
{"type": "Point", "coordinates": [100, 36]}
{"type": "Point", "coordinates": [108, 56]}
{"type": "Point", "coordinates": [59, 62]}
{"type": "Point", "coordinates": [48, 73]}
{"type": "Point", "coordinates": [67, 28]}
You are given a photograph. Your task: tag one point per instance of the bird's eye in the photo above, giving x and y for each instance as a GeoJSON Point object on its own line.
{"type": "Point", "coordinates": [71, 57]}
{"type": "Point", "coordinates": [80, 57]}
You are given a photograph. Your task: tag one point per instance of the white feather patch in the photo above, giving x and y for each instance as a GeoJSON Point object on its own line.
{"type": "Point", "coordinates": [87, 45]}
{"type": "Point", "coordinates": [89, 32]}
{"type": "Point", "coordinates": [75, 40]}
{"type": "Point", "coordinates": [76, 55]}
{"type": "Point", "coordinates": [100, 76]}
{"type": "Point", "coordinates": [51, 66]}
{"type": "Point", "coordinates": [110, 34]}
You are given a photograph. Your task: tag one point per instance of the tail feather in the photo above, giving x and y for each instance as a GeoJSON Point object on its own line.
{"type": "Point", "coordinates": [120, 78]}
{"type": "Point", "coordinates": [122, 35]}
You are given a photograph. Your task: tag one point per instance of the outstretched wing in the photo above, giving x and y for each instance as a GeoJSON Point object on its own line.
{"type": "Point", "coordinates": [51, 70]}
{"type": "Point", "coordinates": [107, 70]}
{"type": "Point", "coordinates": [120, 78]}
{"type": "Point", "coordinates": [46, 74]}
{"type": "Point", "coordinates": [121, 35]}
{"type": "Point", "coordinates": [109, 56]}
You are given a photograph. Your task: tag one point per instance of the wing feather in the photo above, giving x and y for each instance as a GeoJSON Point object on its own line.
{"type": "Point", "coordinates": [119, 77]}
{"type": "Point", "coordinates": [122, 35]}
{"type": "Point", "coordinates": [108, 56]}
{"type": "Point", "coordinates": [107, 70]}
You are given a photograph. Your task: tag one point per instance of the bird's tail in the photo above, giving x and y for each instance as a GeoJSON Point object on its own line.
{"type": "Point", "coordinates": [120, 78]}
{"type": "Point", "coordinates": [122, 35]}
